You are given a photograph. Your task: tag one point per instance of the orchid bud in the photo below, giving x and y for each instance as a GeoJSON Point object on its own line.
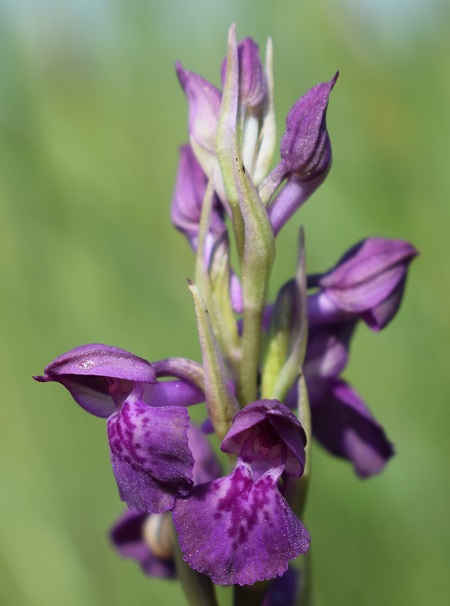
{"type": "Point", "coordinates": [204, 101]}
{"type": "Point", "coordinates": [305, 147]}
{"type": "Point", "coordinates": [305, 155]}
{"type": "Point", "coordinates": [252, 81]}
{"type": "Point", "coordinates": [188, 198]}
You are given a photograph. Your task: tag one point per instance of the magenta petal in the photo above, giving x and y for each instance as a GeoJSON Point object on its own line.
{"type": "Point", "coordinates": [100, 360]}
{"type": "Point", "coordinates": [285, 424]}
{"type": "Point", "coordinates": [368, 274]}
{"type": "Point", "coordinates": [344, 425]}
{"type": "Point", "coordinates": [378, 317]}
{"type": "Point", "coordinates": [238, 531]}
{"type": "Point", "coordinates": [99, 377]}
{"type": "Point", "coordinates": [127, 537]}
{"type": "Point", "coordinates": [150, 455]}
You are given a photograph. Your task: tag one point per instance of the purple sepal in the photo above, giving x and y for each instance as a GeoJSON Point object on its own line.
{"type": "Point", "coordinates": [127, 536]}
{"type": "Point", "coordinates": [368, 281]}
{"type": "Point", "coordinates": [252, 80]}
{"type": "Point", "coordinates": [99, 377]}
{"type": "Point", "coordinates": [267, 422]}
{"type": "Point", "coordinates": [150, 455]}
{"type": "Point", "coordinates": [379, 316]}
{"type": "Point", "coordinates": [344, 425]}
{"type": "Point", "coordinates": [204, 101]}
{"type": "Point", "coordinates": [305, 146]}
{"type": "Point", "coordinates": [187, 199]}
{"type": "Point", "coordinates": [327, 350]}
{"type": "Point", "coordinates": [238, 530]}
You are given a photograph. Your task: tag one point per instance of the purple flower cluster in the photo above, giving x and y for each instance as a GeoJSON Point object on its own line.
{"type": "Point", "coordinates": [261, 361]}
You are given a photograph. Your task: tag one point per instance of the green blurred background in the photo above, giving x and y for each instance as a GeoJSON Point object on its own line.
{"type": "Point", "coordinates": [91, 116]}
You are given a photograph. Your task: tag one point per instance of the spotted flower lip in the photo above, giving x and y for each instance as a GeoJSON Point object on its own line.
{"type": "Point", "coordinates": [367, 282]}
{"type": "Point", "coordinates": [246, 531]}
{"type": "Point", "coordinates": [144, 537]}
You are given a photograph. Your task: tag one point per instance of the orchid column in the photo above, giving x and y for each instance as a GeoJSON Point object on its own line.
{"type": "Point", "coordinates": [187, 517]}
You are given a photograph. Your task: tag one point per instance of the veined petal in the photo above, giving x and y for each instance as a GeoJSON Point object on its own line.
{"type": "Point", "coordinates": [150, 455]}
{"type": "Point", "coordinates": [99, 377]}
{"type": "Point", "coordinates": [239, 531]}
{"type": "Point", "coordinates": [368, 274]}
{"type": "Point", "coordinates": [344, 425]}
{"type": "Point", "coordinates": [101, 360]}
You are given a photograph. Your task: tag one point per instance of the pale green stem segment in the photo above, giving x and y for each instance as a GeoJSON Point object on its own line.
{"type": "Point", "coordinates": [304, 415]}
{"type": "Point", "coordinates": [213, 279]}
{"type": "Point", "coordinates": [220, 402]}
{"type": "Point", "coordinates": [250, 595]}
{"type": "Point", "coordinates": [226, 126]}
{"type": "Point", "coordinates": [268, 132]}
{"type": "Point", "coordinates": [278, 339]}
{"type": "Point", "coordinates": [304, 597]}
{"type": "Point", "coordinates": [259, 255]}
{"type": "Point", "coordinates": [290, 370]}
{"type": "Point", "coordinates": [197, 587]}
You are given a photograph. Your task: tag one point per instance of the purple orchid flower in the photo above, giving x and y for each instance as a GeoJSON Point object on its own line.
{"type": "Point", "coordinates": [147, 420]}
{"type": "Point", "coordinates": [305, 154]}
{"type": "Point", "coordinates": [368, 282]}
{"type": "Point", "coordinates": [246, 531]}
{"type": "Point", "coordinates": [147, 538]}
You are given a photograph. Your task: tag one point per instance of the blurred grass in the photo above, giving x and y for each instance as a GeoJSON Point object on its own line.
{"type": "Point", "coordinates": [90, 119]}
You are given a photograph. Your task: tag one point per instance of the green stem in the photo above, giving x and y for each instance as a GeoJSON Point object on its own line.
{"type": "Point", "coordinates": [197, 587]}
{"type": "Point", "coordinates": [250, 595]}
